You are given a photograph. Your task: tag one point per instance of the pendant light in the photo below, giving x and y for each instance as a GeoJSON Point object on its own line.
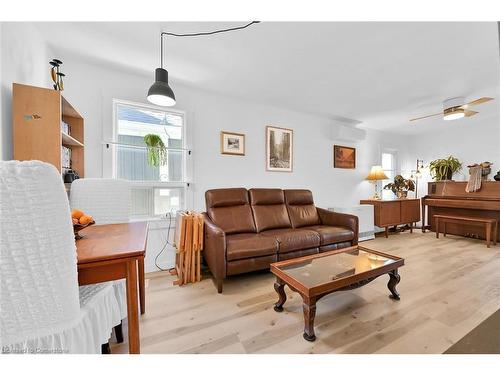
{"type": "Point", "coordinates": [160, 93]}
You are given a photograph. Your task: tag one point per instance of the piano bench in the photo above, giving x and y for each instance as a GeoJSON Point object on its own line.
{"type": "Point", "coordinates": [490, 224]}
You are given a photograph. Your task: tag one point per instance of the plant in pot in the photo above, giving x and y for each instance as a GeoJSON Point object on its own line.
{"type": "Point", "coordinates": [157, 152]}
{"type": "Point", "coordinates": [443, 169]}
{"type": "Point", "coordinates": [400, 186]}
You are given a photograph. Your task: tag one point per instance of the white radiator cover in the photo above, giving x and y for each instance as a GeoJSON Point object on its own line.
{"type": "Point", "coordinates": [365, 214]}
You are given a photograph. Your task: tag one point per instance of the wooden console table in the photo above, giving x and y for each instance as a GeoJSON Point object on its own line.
{"type": "Point", "coordinates": [112, 252]}
{"type": "Point", "coordinates": [394, 212]}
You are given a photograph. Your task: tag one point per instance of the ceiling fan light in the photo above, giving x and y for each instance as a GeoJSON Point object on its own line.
{"type": "Point", "coordinates": [160, 92]}
{"type": "Point", "coordinates": [453, 114]}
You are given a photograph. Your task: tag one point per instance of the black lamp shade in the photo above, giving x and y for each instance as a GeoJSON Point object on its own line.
{"type": "Point", "coordinates": [160, 92]}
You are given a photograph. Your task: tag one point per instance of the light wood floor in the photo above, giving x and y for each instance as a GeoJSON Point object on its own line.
{"type": "Point", "coordinates": [448, 286]}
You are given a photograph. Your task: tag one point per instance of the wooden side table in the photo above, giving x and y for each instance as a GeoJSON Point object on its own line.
{"type": "Point", "coordinates": [393, 212]}
{"type": "Point", "coordinates": [113, 252]}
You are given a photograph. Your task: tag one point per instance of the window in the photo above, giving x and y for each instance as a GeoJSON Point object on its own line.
{"type": "Point", "coordinates": [155, 190]}
{"type": "Point", "coordinates": [388, 163]}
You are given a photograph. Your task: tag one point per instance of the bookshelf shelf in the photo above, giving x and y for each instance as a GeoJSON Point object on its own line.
{"type": "Point", "coordinates": [69, 141]}
{"type": "Point", "coordinates": [37, 135]}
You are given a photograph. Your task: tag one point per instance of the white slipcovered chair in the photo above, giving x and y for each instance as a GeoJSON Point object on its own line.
{"type": "Point", "coordinates": [108, 200]}
{"type": "Point", "coordinates": [42, 308]}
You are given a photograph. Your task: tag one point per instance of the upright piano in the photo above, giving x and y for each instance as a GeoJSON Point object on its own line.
{"type": "Point", "coordinates": [450, 198]}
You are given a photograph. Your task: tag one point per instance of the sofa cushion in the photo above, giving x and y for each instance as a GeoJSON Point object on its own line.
{"type": "Point", "coordinates": [298, 197]}
{"type": "Point", "coordinates": [301, 208]}
{"type": "Point", "coordinates": [330, 235]}
{"type": "Point", "coordinates": [293, 239]}
{"type": "Point", "coordinates": [226, 197]}
{"type": "Point", "coordinates": [236, 267]}
{"type": "Point", "coordinates": [269, 210]}
{"type": "Point", "coordinates": [297, 254]}
{"type": "Point", "coordinates": [249, 245]}
{"type": "Point", "coordinates": [230, 210]}
{"type": "Point", "coordinates": [335, 246]}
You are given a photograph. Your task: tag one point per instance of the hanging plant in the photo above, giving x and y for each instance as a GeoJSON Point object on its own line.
{"type": "Point", "coordinates": [157, 152]}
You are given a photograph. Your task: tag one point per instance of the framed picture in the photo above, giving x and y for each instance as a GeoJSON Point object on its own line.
{"type": "Point", "coordinates": [232, 143]}
{"type": "Point", "coordinates": [279, 149]}
{"type": "Point", "coordinates": [344, 157]}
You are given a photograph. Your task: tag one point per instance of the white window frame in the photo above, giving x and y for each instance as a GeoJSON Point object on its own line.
{"type": "Point", "coordinates": [153, 184]}
{"type": "Point", "coordinates": [395, 160]}
{"type": "Point", "coordinates": [395, 170]}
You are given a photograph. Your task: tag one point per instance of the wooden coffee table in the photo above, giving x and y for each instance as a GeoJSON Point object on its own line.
{"type": "Point", "coordinates": [315, 276]}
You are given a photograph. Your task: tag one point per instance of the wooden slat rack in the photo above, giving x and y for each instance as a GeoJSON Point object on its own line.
{"type": "Point", "coordinates": [188, 241]}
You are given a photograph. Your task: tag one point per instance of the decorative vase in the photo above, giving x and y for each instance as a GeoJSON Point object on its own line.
{"type": "Point", "coordinates": [497, 176]}
{"type": "Point", "coordinates": [485, 172]}
{"type": "Point", "coordinates": [449, 175]}
{"type": "Point", "coordinates": [401, 194]}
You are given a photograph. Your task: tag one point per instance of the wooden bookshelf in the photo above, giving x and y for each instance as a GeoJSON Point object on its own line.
{"type": "Point", "coordinates": [36, 115]}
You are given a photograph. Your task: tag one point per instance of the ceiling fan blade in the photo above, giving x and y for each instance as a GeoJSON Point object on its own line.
{"type": "Point", "coordinates": [470, 113]}
{"type": "Point", "coordinates": [482, 100]}
{"type": "Point", "coordinates": [421, 118]}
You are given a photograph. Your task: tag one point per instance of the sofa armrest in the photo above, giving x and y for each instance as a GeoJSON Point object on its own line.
{"type": "Point", "coordinates": [343, 220]}
{"type": "Point", "coordinates": [214, 250]}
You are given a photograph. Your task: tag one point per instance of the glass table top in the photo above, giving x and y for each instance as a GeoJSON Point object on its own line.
{"type": "Point", "coordinates": [321, 270]}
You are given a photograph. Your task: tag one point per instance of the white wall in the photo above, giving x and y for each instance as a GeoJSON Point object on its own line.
{"type": "Point", "coordinates": [24, 59]}
{"type": "Point", "coordinates": [313, 152]}
{"type": "Point", "coordinates": [472, 140]}
{"type": "Point", "coordinates": [91, 88]}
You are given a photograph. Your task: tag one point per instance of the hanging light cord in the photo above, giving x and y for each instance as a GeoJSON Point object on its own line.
{"type": "Point", "coordinates": [199, 34]}
{"type": "Point", "coordinates": [211, 32]}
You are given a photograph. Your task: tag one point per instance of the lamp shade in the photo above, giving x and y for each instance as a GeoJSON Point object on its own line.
{"type": "Point", "coordinates": [160, 92]}
{"type": "Point", "coordinates": [376, 173]}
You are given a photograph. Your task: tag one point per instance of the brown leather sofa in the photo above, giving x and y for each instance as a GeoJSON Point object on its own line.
{"type": "Point", "coordinates": [246, 230]}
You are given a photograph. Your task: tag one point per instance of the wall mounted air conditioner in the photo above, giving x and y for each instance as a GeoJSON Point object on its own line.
{"type": "Point", "coordinates": [365, 214]}
{"type": "Point", "coordinates": [346, 133]}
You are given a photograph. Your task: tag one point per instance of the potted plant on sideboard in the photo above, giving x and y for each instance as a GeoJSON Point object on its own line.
{"type": "Point", "coordinates": [400, 186]}
{"type": "Point", "coordinates": [443, 169]}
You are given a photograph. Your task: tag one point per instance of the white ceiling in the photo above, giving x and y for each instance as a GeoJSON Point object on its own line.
{"type": "Point", "coordinates": [379, 74]}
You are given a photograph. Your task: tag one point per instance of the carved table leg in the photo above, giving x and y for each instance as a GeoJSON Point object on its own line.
{"type": "Point", "coordinates": [309, 307]}
{"type": "Point", "coordinates": [394, 279]}
{"type": "Point", "coordinates": [279, 287]}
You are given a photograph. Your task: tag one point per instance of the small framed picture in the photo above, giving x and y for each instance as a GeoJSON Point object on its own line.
{"type": "Point", "coordinates": [279, 149]}
{"type": "Point", "coordinates": [344, 157]}
{"type": "Point", "coordinates": [232, 143]}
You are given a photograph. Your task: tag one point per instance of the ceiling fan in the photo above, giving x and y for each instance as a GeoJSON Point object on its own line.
{"type": "Point", "coordinates": [454, 108]}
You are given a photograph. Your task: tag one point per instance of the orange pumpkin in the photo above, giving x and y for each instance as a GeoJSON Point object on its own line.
{"type": "Point", "coordinates": [76, 214]}
{"type": "Point", "coordinates": [85, 219]}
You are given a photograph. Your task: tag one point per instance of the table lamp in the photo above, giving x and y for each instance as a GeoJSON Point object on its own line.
{"type": "Point", "coordinates": [376, 174]}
